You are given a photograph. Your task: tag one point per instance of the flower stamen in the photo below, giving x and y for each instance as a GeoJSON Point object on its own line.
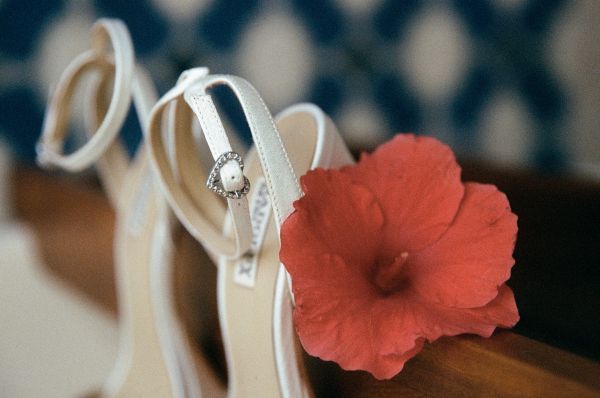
{"type": "Point", "coordinates": [389, 276]}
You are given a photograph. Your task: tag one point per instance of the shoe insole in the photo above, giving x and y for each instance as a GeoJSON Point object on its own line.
{"type": "Point", "coordinates": [246, 287]}
{"type": "Point", "coordinates": [141, 368]}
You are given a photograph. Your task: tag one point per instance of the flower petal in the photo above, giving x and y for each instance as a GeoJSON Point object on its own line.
{"type": "Point", "coordinates": [465, 267]}
{"type": "Point", "coordinates": [342, 318]}
{"type": "Point", "coordinates": [334, 216]}
{"type": "Point", "coordinates": [390, 365]}
{"type": "Point", "coordinates": [417, 182]}
{"type": "Point", "coordinates": [379, 336]}
{"type": "Point", "coordinates": [437, 320]}
{"type": "Point", "coordinates": [331, 313]}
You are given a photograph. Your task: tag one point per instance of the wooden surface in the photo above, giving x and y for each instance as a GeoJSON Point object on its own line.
{"type": "Point", "coordinates": [74, 223]}
{"type": "Point", "coordinates": [556, 278]}
{"type": "Point", "coordinates": [74, 226]}
{"type": "Point", "coordinates": [506, 365]}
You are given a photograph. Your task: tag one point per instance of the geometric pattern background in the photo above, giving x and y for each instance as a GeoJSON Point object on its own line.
{"type": "Point", "coordinates": [513, 81]}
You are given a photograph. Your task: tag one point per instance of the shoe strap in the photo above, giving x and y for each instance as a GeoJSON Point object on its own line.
{"type": "Point", "coordinates": [50, 147]}
{"type": "Point", "coordinates": [114, 166]}
{"type": "Point", "coordinates": [283, 188]}
{"type": "Point", "coordinates": [103, 119]}
{"type": "Point", "coordinates": [201, 212]}
{"type": "Point", "coordinates": [281, 180]}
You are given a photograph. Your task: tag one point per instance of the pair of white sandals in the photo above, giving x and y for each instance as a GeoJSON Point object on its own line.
{"type": "Point", "coordinates": [241, 235]}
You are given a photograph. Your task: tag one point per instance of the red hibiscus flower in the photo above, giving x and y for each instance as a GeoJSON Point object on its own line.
{"type": "Point", "coordinates": [395, 251]}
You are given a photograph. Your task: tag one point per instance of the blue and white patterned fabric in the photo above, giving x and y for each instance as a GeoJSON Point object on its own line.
{"type": "Point", "coordinates": [513, 81]}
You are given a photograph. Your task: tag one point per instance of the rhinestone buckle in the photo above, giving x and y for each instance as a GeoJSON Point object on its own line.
{"type": "Point", "coordinates": [214, 182]}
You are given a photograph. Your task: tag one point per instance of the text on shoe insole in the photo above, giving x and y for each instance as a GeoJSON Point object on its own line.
{"type": "Point", "coordinates": [260, 211]}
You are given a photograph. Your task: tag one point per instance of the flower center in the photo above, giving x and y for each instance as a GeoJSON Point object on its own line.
{"type": "Point", "coordinates": [388, 276]}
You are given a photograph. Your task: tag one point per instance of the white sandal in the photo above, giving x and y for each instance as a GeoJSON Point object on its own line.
{"type": "Point", "coordinates": [254, 300]}
{"type": "Point", "coordinates": [153, 359]}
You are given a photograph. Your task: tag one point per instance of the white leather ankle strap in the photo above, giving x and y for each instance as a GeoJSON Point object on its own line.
{"type": "Point", "coordinates": [202, 215]}
{"type": "Point", "coordinates": [114, 165]}
{"type": "Point", "coordinates": [55, 122]}
{"type": "Point", "coordinates": [281, 180]}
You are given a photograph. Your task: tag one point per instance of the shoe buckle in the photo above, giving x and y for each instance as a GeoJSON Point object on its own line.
{"type": "Point", "coordinates": [215, 184]}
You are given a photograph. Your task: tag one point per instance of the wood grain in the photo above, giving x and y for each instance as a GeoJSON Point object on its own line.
{"type": "Point", "coordinates": [506, 365]}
